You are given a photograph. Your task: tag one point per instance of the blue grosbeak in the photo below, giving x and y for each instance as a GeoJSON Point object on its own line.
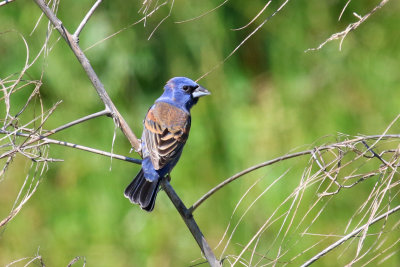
{"type": "Point", "coordinates": [166, 129]}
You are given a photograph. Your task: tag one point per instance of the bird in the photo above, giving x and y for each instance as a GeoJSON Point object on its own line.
{"type": "Point", "coordinates": [166, 128]}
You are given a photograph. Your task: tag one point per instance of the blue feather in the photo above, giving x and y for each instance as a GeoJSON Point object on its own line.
{"type": "Point", "coordinates": [166, 129]}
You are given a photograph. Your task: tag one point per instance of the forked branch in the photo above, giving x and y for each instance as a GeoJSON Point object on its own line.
{"type": "Point", "coordinates": [99, 87]}
{"type": "Point", "coordinates": [120, 122]}
{"type": "Point", "coordinates": [351, 27]}
{"type": "Point", "coordinates": [285, 157]}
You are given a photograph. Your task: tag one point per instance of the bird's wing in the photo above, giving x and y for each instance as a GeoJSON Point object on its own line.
{"type": "Point", "coordinates": [166, 129]}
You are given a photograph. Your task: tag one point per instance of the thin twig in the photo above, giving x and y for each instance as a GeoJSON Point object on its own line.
{"type": "Point", "coordinates": [249, 207]}
{"type": "Point", "coordinates": [63, 127]}
{"type": "Point", "coordinates": [25, 198]}
{"type": "Point", "coordinates": [92, 150]}
{"type": "Point", "coordinates": [49, 112]}
{"type": "Point", "coordinates": [125, 28]}
{"type": "Point", "coordinates": [85, 20]}
{"type": "Point", "coordinates": [350, 235]}
{"type": "Point", "coordinates": [374, 153]}
{"type": "Point", "coordinates": [351, 27]}
{"type": "Point", "coordinates": [254, 19]}
{"type": "Point", "coordinates": [75, 260]}
{"type": "Point", "coordinates": [244, 40]}
{"type": "Point", "coordinates": [202, 15]}
{"type": "Point", "coordinates": [233, 213]}
{"type": "Point", "coordinates": [285, 157]}
{"type": "Point", "coordinates": [344, 8]}
{"type": "Point", "coordinates": [99, 87]}
{"type": "Point", "coordinates": [75, 122]}
{"type": "Point", "coordinates": [159, 24]}
{"type": "Point", "coordinates": [80, 147]}
{"type": "Point", "coordinates": [2, 3]}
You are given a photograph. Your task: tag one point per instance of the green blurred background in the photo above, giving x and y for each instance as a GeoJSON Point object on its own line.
{"type": "Point", "coordinates": [268, 98]}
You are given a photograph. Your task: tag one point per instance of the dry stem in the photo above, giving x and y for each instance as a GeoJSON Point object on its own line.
{"type": "Point", "coordinates": [351, 27]}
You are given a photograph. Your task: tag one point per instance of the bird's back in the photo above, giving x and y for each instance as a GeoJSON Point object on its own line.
{"type": "Point", "coordinates": [165, 133]}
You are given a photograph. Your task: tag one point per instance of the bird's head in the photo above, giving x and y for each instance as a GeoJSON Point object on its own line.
{"type": "Point", "coordinates": [182, 92]}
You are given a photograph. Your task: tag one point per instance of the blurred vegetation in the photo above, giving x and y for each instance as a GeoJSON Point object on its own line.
{"type": "Point", "coordinates": [268, 98]}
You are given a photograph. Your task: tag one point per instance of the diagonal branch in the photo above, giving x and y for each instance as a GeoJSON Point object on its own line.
{"type": "Point", "coordinates": [2, 3]}
{"type": "Point", "coordinates": [352, 234]}
{"type": "Point", "coordinates": [120, 122]}
{"type": "Point", "coordinates": [99, 87]}
{"type": "Point", "coordinates": [190, 223]}
{"type": "Point", "coordinates": [72, 123]}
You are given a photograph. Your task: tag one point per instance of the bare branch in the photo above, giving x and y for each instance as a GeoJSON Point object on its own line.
{"type": "Point", "coordinates": [118, 119]}
{"type": "Point", "coordinates": [2, 3]}
{"type": "Point", "coordinates": [67, 144]}
{"type": "Point", "coordinates": [190, 223]}
{"type": "Point", "coordinates": [126, 27]}
{"type": "Point", "coordinates": [75, 122]}
{"type": "Point", "coordinates": [351, 27]}
{"type": "Point", "coordinates": [288, 156]}
{"type": "Point", "coordinates": [159, 24]}
{"type": "Point", "coordinates": [31, 261]}
{"type": "Point", "coordinates": [92, 150]}
{"type": "Point", "coordinates": [75, 260]}
{"type": "Point", "coordinates": [352, 234]}
{"type": "Point", "coordinates": [85, 20]}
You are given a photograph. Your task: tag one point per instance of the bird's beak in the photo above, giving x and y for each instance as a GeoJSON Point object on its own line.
{"type": "Point", "coordinates": [200, 91]}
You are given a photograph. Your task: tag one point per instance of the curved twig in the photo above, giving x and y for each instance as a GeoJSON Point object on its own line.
{"type": "Point", "coordinates": [202, 15]}
{"type": "Point", "coordinates": [67, 144]}
{"type": "Point", "coordinates": [254, 19]}
{"type": "Point", "coordinates": [285, 157]}
{"type": "Point", "coordinates": [86, 19]}
{"type": "Point", "coordinates": [352, 234]}
{"type": "Point", "coordinates": [351, 27]}
{"type": "Point", "coordinates": [244, 40]}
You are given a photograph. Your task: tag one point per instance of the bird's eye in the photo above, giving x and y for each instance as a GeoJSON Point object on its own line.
{"type": "Point", "coordinates": [188, 88]}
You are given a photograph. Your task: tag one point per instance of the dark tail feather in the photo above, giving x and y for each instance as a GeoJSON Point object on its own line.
{"type": "Point", "coordinates": [142, 191]}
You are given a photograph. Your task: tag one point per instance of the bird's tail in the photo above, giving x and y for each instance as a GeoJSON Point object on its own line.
{"type": "Point", "coordinates": [142, 191]}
